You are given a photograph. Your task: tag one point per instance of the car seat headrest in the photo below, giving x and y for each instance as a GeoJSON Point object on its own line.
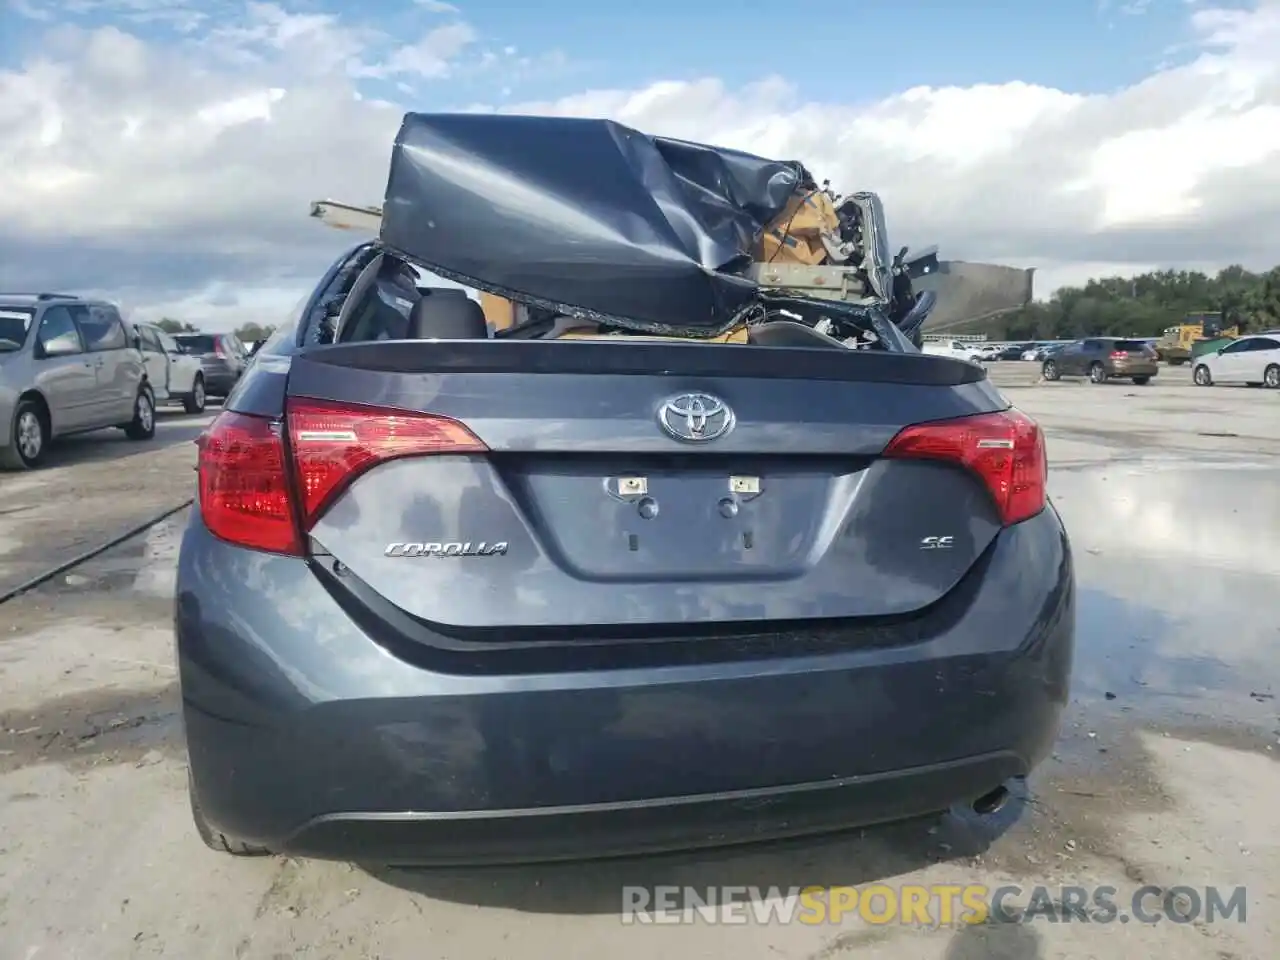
{"type": "Point", "coordinates": [447, 314]}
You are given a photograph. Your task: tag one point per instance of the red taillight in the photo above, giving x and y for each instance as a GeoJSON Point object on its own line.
{"type": "Point", "coordinates": [333, 443]}
{"type": "Point", "coordinates": [249, 487]}
{"type": "Point", "coordinates": [244, 486]}
{"type": "Point", "coordinates": [1005, 449]}
{"type": "Point", "coordinates": [1119, 354]}
{"type": "Point", "coordinates": [219, 349]}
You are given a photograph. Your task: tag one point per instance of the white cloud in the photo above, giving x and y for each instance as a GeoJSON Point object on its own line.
{"type": "Point", "coordinates": [429, 57]}
{"type": "Point", "coordinates": [173, 173]}
{"type": "Point", "coordinates": [28, 9]}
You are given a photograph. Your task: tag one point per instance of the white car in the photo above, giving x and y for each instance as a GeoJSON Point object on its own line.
{"type": "Point", "coordinates": [1251, 359]}
{"type": "Point", "coordinates": [175, 375]}
{"type": "Point", "coordinates": [958, 349]}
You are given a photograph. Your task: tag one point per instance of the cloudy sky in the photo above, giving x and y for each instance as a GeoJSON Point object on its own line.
{"type": "Point", "coordinates": [164, 152]}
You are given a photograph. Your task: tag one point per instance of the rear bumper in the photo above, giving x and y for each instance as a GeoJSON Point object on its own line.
{"type": "Point", "coordinates": [1121, 369]}
{"type": "Point", "coordinates": [644, 826]}
{"type": "Point", "coordinates": [308, 737]}
{"type": "Point", "coordinates": [218, 384]}
{"type": "Point", "coordinates": [219, 378]}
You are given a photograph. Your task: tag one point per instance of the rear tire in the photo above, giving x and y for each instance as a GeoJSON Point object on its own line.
{"type": "Point", "coordinates": [215, 840]}
{"type": "Point", "coordinates": [1142, 381]}
{"type": "Point", "coordinates": [29, 436]}
{"type": "Point", "coordinates": [1097, 373]}
{"type": "Point", "coordinates": [1202, 376]}
{"type": "Point", "coordinates": [195, 401]}
{"type": "Point", "coordinates": [1050, 370]}
{"type": "Point", "coordinates": [1271, 377]}
{"type": "Point", "coordinates": [143, 425]}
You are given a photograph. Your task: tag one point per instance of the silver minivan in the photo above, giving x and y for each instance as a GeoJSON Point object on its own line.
{"type": "Point", "coordinates": [67, 365]}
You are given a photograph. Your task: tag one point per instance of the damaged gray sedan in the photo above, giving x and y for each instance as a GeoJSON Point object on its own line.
{"type": "Point", "coordinates": [655, 543]}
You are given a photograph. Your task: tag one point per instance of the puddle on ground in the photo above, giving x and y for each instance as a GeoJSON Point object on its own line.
{"type": "Point", "coordinates": [1176, 604]}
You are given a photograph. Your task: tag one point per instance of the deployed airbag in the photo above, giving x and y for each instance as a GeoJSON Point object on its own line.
{"type": "Point", "coordinates": [586, 217]}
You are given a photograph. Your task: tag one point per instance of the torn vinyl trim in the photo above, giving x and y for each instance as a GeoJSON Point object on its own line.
{"type": "Point", "coordinates": [586, 217]}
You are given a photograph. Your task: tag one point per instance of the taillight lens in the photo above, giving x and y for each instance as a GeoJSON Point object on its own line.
{"type": "Point", "coordinates": [333, 443]}
{"type": "Point", "coordinates": [244, 485]}
{"type": "Point", "coordinates": [249, 486]}
{"type": "Point", "coordinates": [219, 349]}
{"type": "Point", "coordinates": [1119, 354]}
{"type": "Point", "coordinates": [1005, 449]}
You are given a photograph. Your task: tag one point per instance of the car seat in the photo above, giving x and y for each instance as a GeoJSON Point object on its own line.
{"type": "Point", "coordinates": [447, 314]}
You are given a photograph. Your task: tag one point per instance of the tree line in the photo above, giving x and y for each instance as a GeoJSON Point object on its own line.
{"type": "Point", "coordinates": [1143, 306]}
{"type": "Point", "coordinates": [247, 333]}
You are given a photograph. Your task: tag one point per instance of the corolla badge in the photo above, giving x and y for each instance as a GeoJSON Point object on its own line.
{"type": "Point", "coordinates": [447, 549]}
{"type": "Point", "coordinates": [695, 417]}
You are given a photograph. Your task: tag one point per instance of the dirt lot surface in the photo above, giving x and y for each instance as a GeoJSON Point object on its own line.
{"type": "Point", "coordinates": [95, 487]}
{"type": "Point", "coordinates": [1165, 775]}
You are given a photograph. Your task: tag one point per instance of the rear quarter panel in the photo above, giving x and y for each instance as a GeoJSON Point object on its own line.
{"type": "Point", "coordinates": [126, 372]}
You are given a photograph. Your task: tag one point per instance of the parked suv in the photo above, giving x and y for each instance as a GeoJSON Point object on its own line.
{"type": "Point", "coordinates": [223, 357]}
{"type": "Point", "coordinates": [67, 365]}
{"type": "Point", "coordinates": [1102, 359]}
{"type": "Point", "coordinates": [174, 374]}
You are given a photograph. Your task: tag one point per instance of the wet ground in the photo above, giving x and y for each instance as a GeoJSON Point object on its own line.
{"type": "Point", "coordinates": [94, 486]}
{"type": "Point", "coordinates": [1165, 774]}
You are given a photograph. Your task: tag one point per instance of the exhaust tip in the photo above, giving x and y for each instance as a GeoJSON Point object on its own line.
{"type": "Point", "coordinates": [991, 802]}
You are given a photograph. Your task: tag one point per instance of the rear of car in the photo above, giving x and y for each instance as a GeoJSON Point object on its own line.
{"type": "Point", "coordinates": [1131, 359]}
{"type": "Point", "coordinates": [219, 360]}
{"type": "Point", "coordinates": [466, 601]}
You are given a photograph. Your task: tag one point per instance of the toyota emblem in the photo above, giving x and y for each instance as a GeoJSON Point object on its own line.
{"type": "Point", "coordinates": [695, 417]}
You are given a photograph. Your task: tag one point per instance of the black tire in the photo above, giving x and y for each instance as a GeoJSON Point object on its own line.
{"type": "Point", "coordinates": [1142, 381]}
{"type": "Point", "coordinates": [219, 841]}
{"type": "Point", "coordinates": [194, 402]}
{"type": "Point", "coordinates": [1271, 377]}
{"type": "Point", "coordinates": [29, 437]}
{"type": "Point", "coordinates": [1202, 376]}
{"type": "Point", "coordinates": [1097, 373]}
{"type": "Point", "coordinates": [143, 424]}
{"type": "Point", "coordinates": [1050, 371]}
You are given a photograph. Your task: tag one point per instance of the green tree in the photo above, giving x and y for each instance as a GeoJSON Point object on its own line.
{"type": "Point", "coordinates": [1143, 306]}
{"type": "Point", "coordinates": [250, 332]}
{"type": "Point", "coordinates": [169, 325]}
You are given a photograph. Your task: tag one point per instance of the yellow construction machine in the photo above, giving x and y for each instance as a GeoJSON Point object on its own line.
{"type": "Point", "coordinates": [1197, 332]}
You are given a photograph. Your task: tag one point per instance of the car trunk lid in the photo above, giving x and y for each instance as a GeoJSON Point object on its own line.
{"type": "Point", "coordinates": [595, 500]}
